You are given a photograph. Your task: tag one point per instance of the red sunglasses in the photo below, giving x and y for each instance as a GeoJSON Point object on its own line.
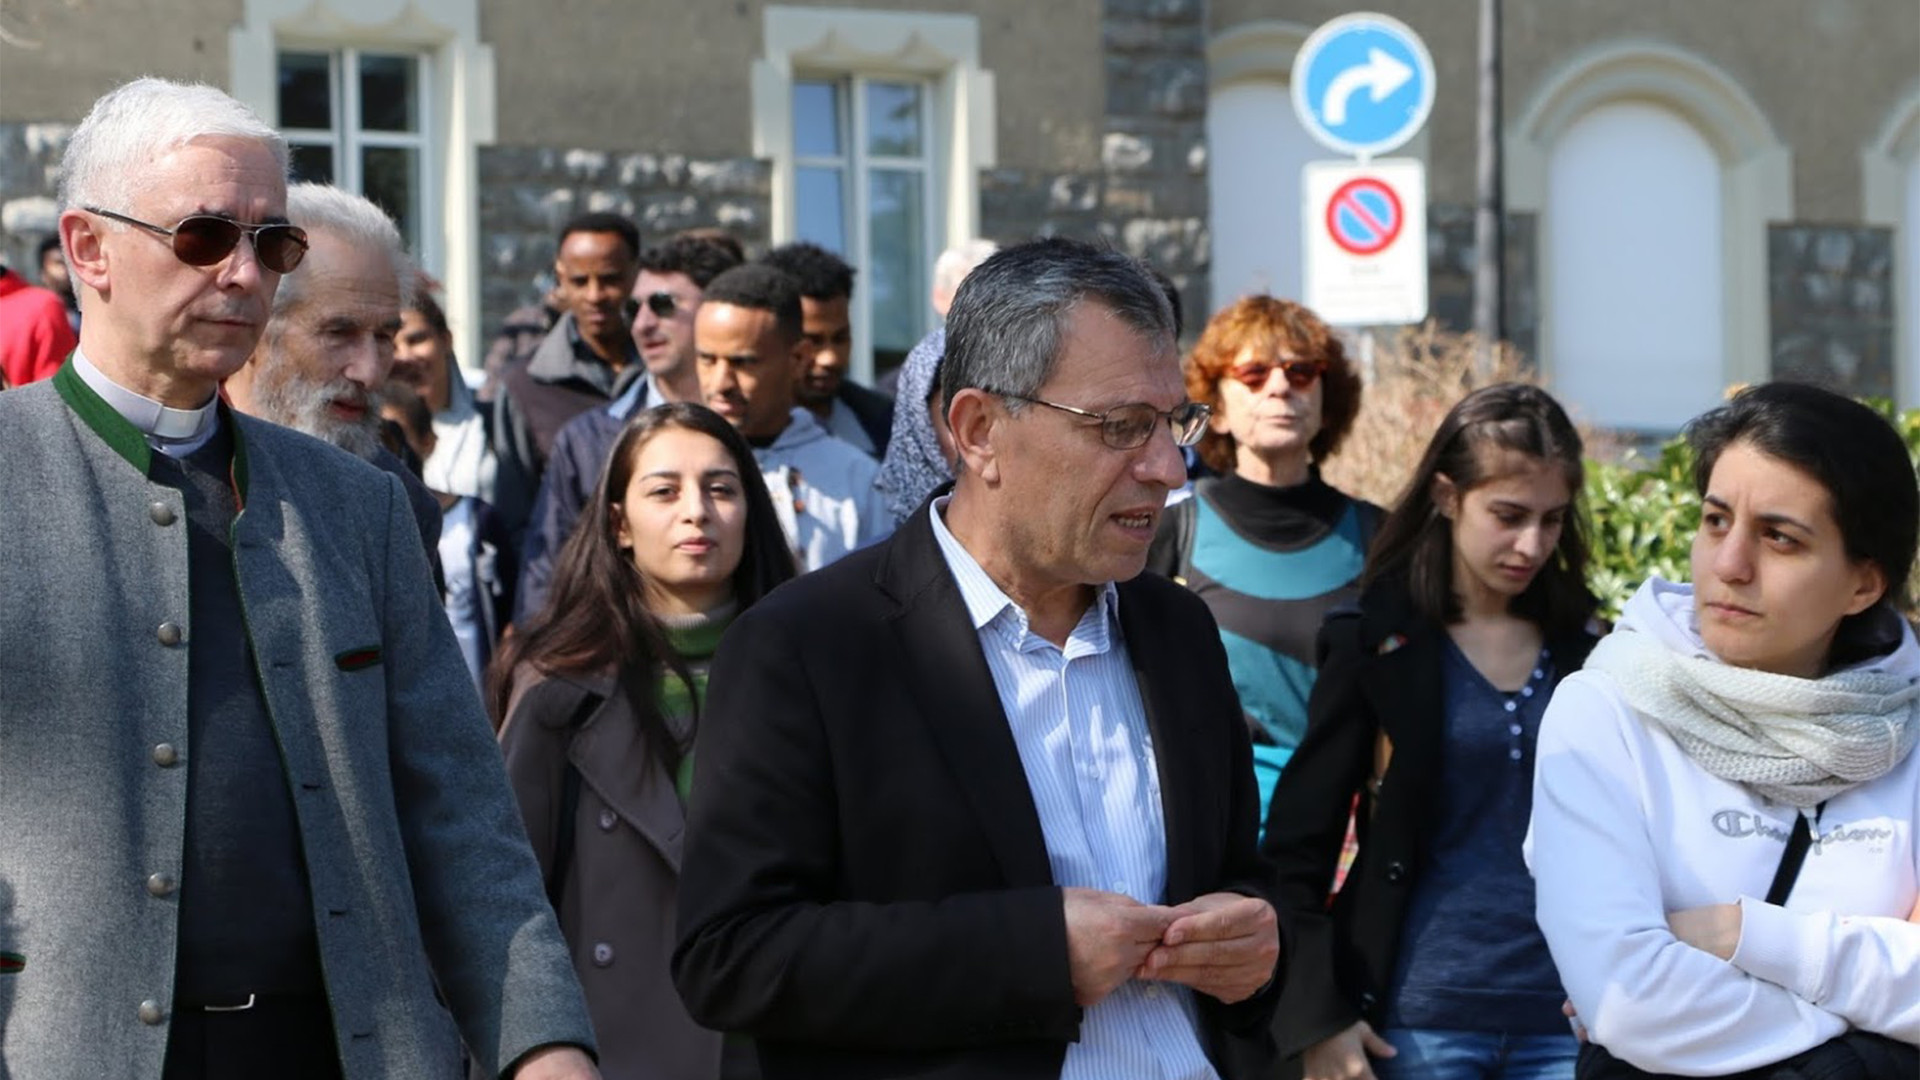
{"type": "Point", "coordinates": [1300, 374]}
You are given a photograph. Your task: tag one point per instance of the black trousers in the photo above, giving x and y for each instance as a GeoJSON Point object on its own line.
{"type": "Point", "coordinates": [289, 1038]}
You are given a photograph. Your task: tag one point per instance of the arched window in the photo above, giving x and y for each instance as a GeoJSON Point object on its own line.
{"type": "Point", "coordinates": [1256, 149]}
{"type": "Point", "coordinates": [1636, 100]}
{"type": "Point", "coordinates": [1633, 268]}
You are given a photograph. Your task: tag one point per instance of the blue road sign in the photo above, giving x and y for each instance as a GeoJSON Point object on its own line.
{"type": "Point", "coordinates": [1363, 84]}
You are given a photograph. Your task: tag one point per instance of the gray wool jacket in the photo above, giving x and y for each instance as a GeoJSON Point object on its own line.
{"type": "Point", "coordinates": [420, 870]}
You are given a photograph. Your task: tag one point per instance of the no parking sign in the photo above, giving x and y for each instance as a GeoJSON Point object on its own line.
{"type": "Point", "coordinates": [1366, 242]}
{"type": "Point", "coordinates": [1364, 216]}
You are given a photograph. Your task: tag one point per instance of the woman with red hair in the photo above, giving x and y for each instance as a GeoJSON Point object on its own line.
{"type": "Point", "coordinates": [1266, 543]}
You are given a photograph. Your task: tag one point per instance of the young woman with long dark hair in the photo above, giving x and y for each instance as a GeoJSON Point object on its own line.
{"type": "Point", "coordinates": [598, 699]}
{"type": "Point", "coordinates": [1726, 826]}
{"type": "Point", "coordinates": [1473, 606]}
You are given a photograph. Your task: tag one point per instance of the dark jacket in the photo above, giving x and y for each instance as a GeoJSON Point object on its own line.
{"type": "Point", "coordinates": [561, 380]}
{"type": "Point", "coordinates": [426, 508]}
{"type": "Point", "coordinates": [616, 898]}
{"type": "Point", "coordinates": [1380, 671]}
{"type": "Point", "coordinates": [866, 888]}
{"type": "Point", "coordinates": [573, 472]}
{"type": "Point", "coordinates": [873, 409]}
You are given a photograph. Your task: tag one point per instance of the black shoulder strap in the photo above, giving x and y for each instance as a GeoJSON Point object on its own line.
{"type": "Point", "coordinates": [1793, 856]}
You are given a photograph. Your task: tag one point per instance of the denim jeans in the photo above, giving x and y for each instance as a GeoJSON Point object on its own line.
{"type": "Point", "coordinates": [1427, 1054]}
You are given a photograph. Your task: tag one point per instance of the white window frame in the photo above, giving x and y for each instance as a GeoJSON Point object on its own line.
{"type": "Point", "coordinates": [942, 49]}
{"type": "Point", "coordinates": [856, 164]}
{"type": "Point", "coordinates": [347, 138]}
{"type": "Point", "coordinates": [457, 97]}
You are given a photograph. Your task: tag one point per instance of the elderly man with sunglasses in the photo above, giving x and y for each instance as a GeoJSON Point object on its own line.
{"type": "Point", "coordinates": [977, 801]}
{"type": "Point", "coordinates": [255, 821]}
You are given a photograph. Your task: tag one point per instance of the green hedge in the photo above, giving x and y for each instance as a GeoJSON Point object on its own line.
{"type": "Point", "coordinates": [1643, 513]}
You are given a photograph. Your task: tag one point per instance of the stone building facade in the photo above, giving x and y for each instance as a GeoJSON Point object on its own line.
{"type": "Point", "coordinates": [1790, 160]}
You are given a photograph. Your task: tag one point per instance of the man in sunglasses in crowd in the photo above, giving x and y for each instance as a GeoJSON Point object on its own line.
{"type": "Point", "coordinates": [672, 279]}
{"type": "Point", "coordinates": [256, 824]}
{"type": "Point", "coordinates": [978, 801]}
{"type": "Point", "coordinates": [322, 364]}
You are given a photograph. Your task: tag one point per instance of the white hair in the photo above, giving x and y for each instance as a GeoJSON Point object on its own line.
{"type": "Point", "coordinates": [955, 263]}
{"type": "Point", "coordinates": [350, 218]}
{"type": "Point", "coordinates": [131, 126]}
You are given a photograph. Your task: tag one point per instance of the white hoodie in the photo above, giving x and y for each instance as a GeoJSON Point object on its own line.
{"type": "Point", "coordinates": [1626, 828]}
{"type": "Point", "coordinates": [822, 492]}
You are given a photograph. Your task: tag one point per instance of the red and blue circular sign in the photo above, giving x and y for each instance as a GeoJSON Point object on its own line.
{"type": "Point", "coordinates": [1364, 216]}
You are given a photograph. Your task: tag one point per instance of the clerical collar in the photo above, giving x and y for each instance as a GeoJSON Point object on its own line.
{"type": "Point", "coordinates": [173, 432]}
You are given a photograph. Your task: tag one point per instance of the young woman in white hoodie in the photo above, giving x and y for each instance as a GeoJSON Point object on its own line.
{"type": "Point", "coordinates": [1776, 693]}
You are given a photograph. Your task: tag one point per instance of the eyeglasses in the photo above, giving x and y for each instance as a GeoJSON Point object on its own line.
{"type": "Point", "coordinates": [205, 239]}
{"type": "Point", "coordinates": [661, 304]}
{"type": "Point", "coordinates": [1128, 427]}
{"type": "Point", "coordinates": [1299, 374]}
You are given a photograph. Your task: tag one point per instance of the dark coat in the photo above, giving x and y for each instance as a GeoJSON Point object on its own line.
{"type": "Point", "coordinates": [561, 380]}
{"type": "Point", "coordinates": [866, 888]}
{"type": "Point", "coordinates": [1379, 672]}
{"type": "Point", "coordinates": [873, 409]}
{"type": "Point", "coordinates": [616, 900]}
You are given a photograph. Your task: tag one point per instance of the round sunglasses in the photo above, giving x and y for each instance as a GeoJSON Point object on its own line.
{"type": "Point", "coordinates": [205, 239]}
{"type": "Point", "coordinates": [1299, 374]}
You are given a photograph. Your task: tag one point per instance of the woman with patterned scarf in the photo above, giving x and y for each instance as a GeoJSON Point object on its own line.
{"type": "Point", "coordinates": [1721, 733]}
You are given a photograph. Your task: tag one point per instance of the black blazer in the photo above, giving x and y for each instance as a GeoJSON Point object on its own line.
{"type": "Point", "coordinates": [1379, 671]}
{"type": "Point", "coordinates": [865, 887]}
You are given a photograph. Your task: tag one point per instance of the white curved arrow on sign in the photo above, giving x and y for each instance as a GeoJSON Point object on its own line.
{"type": "Point", "coordinates": [1382, 74]}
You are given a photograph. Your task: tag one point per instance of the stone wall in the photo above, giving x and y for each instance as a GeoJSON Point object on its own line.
{"type": "Point", "coordinates": [528, 193]}
{"type": "Point", "coordinates": [29, 173]}
{"type": "Point", "coordinates": [1832, 300]}
{"type": "Point", "coordinates": [1149, 195]}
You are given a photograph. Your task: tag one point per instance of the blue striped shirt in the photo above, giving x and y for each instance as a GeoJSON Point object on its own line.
{"type": "Point", "coordinates": [1081, 731]}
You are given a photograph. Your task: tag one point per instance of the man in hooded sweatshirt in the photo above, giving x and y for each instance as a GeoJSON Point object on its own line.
{"type": "Point", "coordinates": [749, 354]}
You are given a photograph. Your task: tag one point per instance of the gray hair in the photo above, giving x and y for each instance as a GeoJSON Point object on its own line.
{"type": "Point", "coordinates": [955, 263]}
{"type": "Point", "coordinates": [352, 218]}
{"type": "Point", "coordinates": [1006, 328]}
{"type": "Point", "coordinates": [131, 126]}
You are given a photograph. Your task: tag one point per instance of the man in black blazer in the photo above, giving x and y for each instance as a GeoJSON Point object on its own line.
{"type": "Point", "coordinates": [962, 806]}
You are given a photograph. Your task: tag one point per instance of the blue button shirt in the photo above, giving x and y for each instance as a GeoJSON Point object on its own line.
{"type": "Point", "coordinates": [1081, 730]}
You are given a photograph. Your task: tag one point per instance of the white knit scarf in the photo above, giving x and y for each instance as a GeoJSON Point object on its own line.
{"type": "Point", "coordinates": [1795, 741]}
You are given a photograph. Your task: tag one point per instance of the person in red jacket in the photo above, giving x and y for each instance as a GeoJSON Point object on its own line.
{"type": "Point", "coordinates": [34, 336]}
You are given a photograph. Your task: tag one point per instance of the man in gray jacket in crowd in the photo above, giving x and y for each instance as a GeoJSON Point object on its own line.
{"type": "Point", "coordinates": [255, 824]}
